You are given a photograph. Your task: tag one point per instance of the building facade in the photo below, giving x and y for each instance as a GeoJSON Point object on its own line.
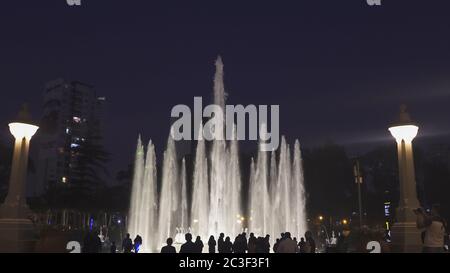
{"type": "Point", "coordinates": [71, 126]}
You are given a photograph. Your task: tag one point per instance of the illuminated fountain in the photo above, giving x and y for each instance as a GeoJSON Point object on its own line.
{"type": "Point", "coordinates": [276, 196]}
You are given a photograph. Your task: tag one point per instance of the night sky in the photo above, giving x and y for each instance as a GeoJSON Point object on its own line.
{"type": "Point", "coordinates": [338, 69]}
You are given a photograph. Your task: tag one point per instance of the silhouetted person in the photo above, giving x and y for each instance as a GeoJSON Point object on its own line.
{"type": "Point", "coordinates": [220, 243]}
{"type": "Point", "coordinates": [239, 245]}
{"type": "Point", "coordinates": [267, 244]}
{"type": "Point", "coordinates": [252, 241]}
{"type": "Point", "coordinates": [259, 245]}
{"type": "Point", "coordinates": [199, 245]}
{"type": "Point", "coordinates": [311, 244]}
{"type": "Point", "coordinates": [302, 246]}
{"type": "Point", "coordinates": [244, 242]}
{"type": "Point", "coordinates": [127, 244]}
{"type": "Point", "coordinates": [227, 246]}
{"type": "Point", "coordinates": [212, 245]}
{"type": "Point", "coordinates": [137, 243]}
{"type": "Point", "coordinates": [168, 248]}
{"type": "Point", "coordinates": [435, 230]}
{"type": "Point", "coordinates": [275, 246]}
{"type": "Point", "coordinates": [113, 248]}
{"type": "Point", "coordinates": [287, 245]}
{"type": "Point", "coordinates": [189, 246]}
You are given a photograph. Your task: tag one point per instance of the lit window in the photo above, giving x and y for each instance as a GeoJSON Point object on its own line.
{"type": "Point", "coordinates": [74, 145]}
{"type": "Point", "coordinates": [67, 130]}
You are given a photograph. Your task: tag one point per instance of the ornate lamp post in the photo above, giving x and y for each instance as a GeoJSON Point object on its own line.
{"type": "Point", "coordinates": [16, 230]}
{"type": "Point", "coordinates": [405, 235]}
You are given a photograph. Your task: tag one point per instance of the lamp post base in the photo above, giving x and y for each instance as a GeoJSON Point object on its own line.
{"type": "Point", "coordinates": [17, 236]}
{"type": "Point", "coordinates": [406, 238]}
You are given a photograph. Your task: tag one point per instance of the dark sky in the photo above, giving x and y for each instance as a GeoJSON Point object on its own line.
{"type": "Point", "coordinates": [338, 69]}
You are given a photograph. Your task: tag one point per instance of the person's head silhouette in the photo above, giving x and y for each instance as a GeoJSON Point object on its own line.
{"type": "Point", "coordinates": [188, 237]}
{"type": "Point", "coordinates": [169, 241]}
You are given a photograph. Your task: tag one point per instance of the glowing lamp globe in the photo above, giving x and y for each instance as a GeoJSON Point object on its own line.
{"type": "Point", "coordinates": [404, 129]}
{"type": "Point", "coordinates": [22, 130]}
{"type": "Point", "coordinates": [404, 132]}
{"type": "Point", "coordinates": [22, 126]}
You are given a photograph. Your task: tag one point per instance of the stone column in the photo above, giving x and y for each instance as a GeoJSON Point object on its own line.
{"type": "Point", "coordinates": [406, 237]}
{"type": "Point", "coordinates": [17, 232]}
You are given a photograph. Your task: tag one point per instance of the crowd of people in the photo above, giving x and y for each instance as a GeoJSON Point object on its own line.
{"type": "Point", "coordinates": [435, 239]}
{"type": "Point", "coordinates": [284, 244]}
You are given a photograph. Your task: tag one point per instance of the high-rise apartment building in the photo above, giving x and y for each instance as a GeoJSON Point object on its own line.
{"type": "Point", "coordinates": [71, 127]}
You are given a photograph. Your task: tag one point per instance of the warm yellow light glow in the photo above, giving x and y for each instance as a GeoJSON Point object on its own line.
{"type": "Point", "coordinates": [404, 132]}
{"type": "Point", "coordinates": [64, 179]}
{"type": "Point", "coordinates": [195, 221]}
{"type": "Point", "coordinates": [320, 217]}
{"type": "Point", "coordinates": [242, 218]}
{"type": "Point", "coordinates": [22, 130]}
{"type": "Point", "coordinates": [344, 221]}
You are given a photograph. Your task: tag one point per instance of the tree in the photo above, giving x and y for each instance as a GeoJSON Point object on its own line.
{"type": "Point", "coordinates": [328, 180]}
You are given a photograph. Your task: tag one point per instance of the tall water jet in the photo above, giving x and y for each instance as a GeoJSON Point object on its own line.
{"type": "Point", "coordinates": [273, 192]}
{"type": "Point", "coordinates": [233, 189]}
{"type": "Point", "coordinates": [259, 197]}
{"type": "Point", "coordinates": [184, 199]}
{"type": "Point", "coordinates": [136, 200]}
{"type": "Point", "coordinates": [298, 192]}
{"type": "Point", "coordinates": [148, 209]}
{"type": "Point", "coordinates": [169, 197]}
{"type": "Point", "coordinates": [200, 193]}
{"type": "Point", "coordinates": [288, 191]}
{"type": "Point", "coordinates": [218, 217]}
{"type": "Point", "coordinates": [284, 176]}
{"type": "Point", "coordinates": [143, 206]}
{"type": "Point", "coordinates": [252, 209]}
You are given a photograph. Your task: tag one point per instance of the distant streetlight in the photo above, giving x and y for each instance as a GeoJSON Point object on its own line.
{"type": "Point", "coordinates": [358, 181]}
{"type": "Point", "coordinates": [320, 218]}
{"type": "Point", "coordinates": [16, 230]}
{"type": "Point", "coordinates": [405, 235]}
{"type": "Point", "coordinates": [344, 221]}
